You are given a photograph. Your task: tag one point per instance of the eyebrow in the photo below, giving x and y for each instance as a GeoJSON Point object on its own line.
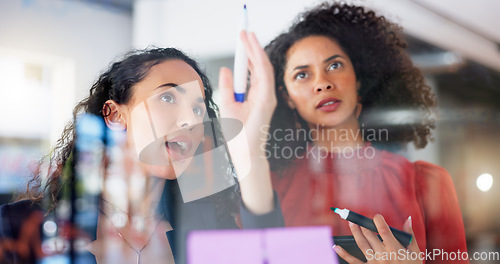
{"type": "Point", "coordinates": [332, 58]}
{"type": "Point", "coordinates": [325, 61]}
{"type": "Point", "coordinates": [170, 85]}
{"type": "Point", "coordinates": [180, 89]}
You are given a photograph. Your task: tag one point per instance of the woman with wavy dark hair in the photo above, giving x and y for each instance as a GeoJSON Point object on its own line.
{"type": "Point", "coordinates": [340, 71]}
{"type": "Point", "coordinates": [162, 101]}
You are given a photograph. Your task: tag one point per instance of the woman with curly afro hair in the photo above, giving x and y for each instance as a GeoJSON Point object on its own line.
{"type": "Point", "coordinates": [339, 70]}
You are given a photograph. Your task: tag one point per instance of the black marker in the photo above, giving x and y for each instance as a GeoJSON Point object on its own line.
{"type": "Point", "coordinates": [361, 220]}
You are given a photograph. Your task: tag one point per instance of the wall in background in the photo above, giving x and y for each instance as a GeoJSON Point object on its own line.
{"type": "Point", "coordinates": [51, 51]}
{"type": "Point", "coordinates": [85, 35]}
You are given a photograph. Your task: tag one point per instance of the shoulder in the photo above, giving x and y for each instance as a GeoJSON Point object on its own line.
{"type": "Point", "coordinates": [429, 168]}
{"type": "Point", "coordinates": [424, 174]}
{"type": "Point", "coordinates": [435, 187]}
{"type": "Point", "coordinates": [12, 215]}
{"type": "Point", "coordinates": [432, 174]}
{"type": "Point", "coordinates": [19, 208]}
{"type": "Point", "coordinates": [421, 169]}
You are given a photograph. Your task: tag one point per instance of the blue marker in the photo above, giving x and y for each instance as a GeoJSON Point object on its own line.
{"type": "Point", "coordinates": [241, 62]}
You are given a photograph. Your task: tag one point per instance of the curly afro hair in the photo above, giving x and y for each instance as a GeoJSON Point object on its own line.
{"type": "Point", "coordinates": [389, 81]}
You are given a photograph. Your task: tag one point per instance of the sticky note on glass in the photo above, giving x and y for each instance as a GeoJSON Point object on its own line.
{"type": "Point", "coordinates": [258, 246]}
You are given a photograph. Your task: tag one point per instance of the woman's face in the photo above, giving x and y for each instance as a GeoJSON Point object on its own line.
{"type": "Point", "coordinates": [165, 118]}
{"type": "Point", "coordinates": [321, 83]}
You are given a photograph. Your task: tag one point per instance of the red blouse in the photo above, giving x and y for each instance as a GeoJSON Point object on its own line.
{"type": "Point", "coordinates": [370, 181]}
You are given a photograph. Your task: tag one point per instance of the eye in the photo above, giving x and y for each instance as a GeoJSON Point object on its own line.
{"type": "Point", "coordinates": [300, 76]}
{"type": "Point", "coordinates": [335, 65]}
{"type": "Point", "coordinates": [167, 97]}
{"type": "Point", "coordinates": [198, 111]}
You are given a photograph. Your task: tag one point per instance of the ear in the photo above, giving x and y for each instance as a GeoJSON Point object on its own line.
{"type": "Point", "coordinates": [359, 107]}
{"type": "Point", "coordinates": [286, 97]}
{"type": "Point", "coordinates": [114, 116]}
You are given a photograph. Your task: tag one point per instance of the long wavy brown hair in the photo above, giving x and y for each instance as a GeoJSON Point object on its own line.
{"type": "Point", "coordinates": [116, 84]}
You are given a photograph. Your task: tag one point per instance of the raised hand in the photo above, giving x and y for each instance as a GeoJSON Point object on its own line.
{"type": "Point", "coordinates": [260, 103]}
{"type": "Point", "coordinates": [248, 149]}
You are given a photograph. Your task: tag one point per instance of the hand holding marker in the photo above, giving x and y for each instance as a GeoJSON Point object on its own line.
{"type": "Point", "coordinates": [361, 220]}
{"type": "Point", "coordinates": [241, 62]}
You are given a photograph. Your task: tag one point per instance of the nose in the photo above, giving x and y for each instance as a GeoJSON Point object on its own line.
{"type": "Point", "coordinates": [323, 84]}
{"type": "Point", "coordinates": [186, 119]}
{"type": "Point", "coordinates": [184, 123]}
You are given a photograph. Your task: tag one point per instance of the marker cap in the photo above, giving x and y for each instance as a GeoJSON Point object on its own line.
{"type": "Point", "coordinates": [239, 97]}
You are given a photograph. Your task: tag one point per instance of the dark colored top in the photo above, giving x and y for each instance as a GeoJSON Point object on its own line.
{"type": "Point", "coordinates": [201, 215]}
{"type": "Point", "coordinates": [196, 215]}
{"type": "Point", "coordinates": [19, 225]}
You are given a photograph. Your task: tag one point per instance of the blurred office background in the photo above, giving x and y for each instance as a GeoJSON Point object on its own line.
{"type": "Point", "coordinates": [51, 51]}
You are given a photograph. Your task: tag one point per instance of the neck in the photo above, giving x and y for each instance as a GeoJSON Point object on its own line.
{"type": "Point", "coordinates": [133, 213]}
{"type": "Point", "coordinates": [343, 136]}
{"type": "Point", "coordinates": [139, 200]}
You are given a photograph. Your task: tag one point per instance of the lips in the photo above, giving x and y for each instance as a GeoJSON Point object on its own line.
{"type": "Point", "coordinates": [328, 104]}
{"type": "Point", "coordinates": [179, 147]}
